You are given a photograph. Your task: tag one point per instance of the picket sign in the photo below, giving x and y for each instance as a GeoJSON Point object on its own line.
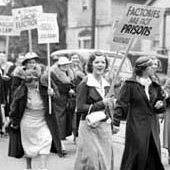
{"type": "Point", "coordinates": [48, 32]}
{"type": "Point", "coordinates": [26, 19]}
{"type": "Point", "coordinates": [7, 29]}
{"type": "Point", "coordinates": [120, 42]}
{"type": "Point", "coordinates": [139, 21]}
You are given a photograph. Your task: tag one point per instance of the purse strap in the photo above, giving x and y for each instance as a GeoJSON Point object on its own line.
{"type": "Point", "coordinates": [90, 107]}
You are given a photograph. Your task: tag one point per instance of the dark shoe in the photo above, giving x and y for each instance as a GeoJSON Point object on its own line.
{"type": "Point", "coordinates": [74, 140]}
{"type": "Point", "coordinates": [168, 156]}
{"type": "Point", "coordinates": [63, 138]}
{"type": "Point", "coordinates": [169, 160]}
{"type": "Point", "coordinates": [63, 154]}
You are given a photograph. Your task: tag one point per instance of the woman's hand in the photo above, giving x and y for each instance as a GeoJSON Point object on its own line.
{"type": "Point", "coordinates": [71, 93]}
{"type": "Point", "coordinates": [108, 101]}
{"type": "Point", "coordinates": [15, 127]}
{"type": "Point", "coordinates": [50, 92]}
{"type": "Point", "coordinates": [115, 129]}
{"type": "Point", "coordinates": [5, 77]}
{"type": "Point", "coordinates": [159, 104]}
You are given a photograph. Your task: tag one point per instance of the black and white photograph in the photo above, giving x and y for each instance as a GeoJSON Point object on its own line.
{"type": "Point", "coordinates": [85, 84]}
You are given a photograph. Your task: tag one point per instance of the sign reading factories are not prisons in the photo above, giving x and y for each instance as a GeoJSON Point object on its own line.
{"type": "Point", "coordinates": [140, 21]}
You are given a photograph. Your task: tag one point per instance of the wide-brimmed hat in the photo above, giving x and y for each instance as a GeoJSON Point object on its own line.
{"type": "Point", "coordinates": [30, 56]}
{"type": "Point", "coordinates": [143, 61]}
{"type": "Point", "coordinates": [63, 61]}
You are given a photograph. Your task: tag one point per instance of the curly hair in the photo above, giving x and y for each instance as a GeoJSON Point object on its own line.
{"type": "Point", "coordinates": [92, 58]}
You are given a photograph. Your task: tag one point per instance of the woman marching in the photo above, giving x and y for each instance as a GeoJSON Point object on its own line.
{"type": "Point", "coordinates": [61, 79]}
{"type": "Point", "coordinates": [140, 100]}
{"type": "Point", "coordinates": [166, 130]}
{"type": "Point", "coordinates": [33, 131]}
{"type": "Point", "coordinates": [95, 149]}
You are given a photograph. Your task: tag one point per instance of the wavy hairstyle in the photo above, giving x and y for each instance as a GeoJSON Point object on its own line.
{"type": "Point", "coordinates": [92, 58]}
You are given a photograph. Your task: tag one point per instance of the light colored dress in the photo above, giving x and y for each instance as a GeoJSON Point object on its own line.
{"type": "Point", "coordinates": [35, 135]}
{"type": "Point", "coordinates": [95, 145]}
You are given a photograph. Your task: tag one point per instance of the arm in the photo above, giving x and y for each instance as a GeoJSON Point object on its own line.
{"type": "Point", "coordinates": [160, 103]}
{"type": "Point", "coordinates": [122, 104]}
{"type": "Point", "coordinates": [166, 88]}
{"type": "Point", "coordinates": [17, 106]}
{"type": "Point", "coordinates": [13, 115]}
{"type": "Point", "coordinates": [44, 82]}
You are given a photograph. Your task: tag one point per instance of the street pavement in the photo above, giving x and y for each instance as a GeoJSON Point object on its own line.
{"type": "Point", "coordinates": [67, 163]}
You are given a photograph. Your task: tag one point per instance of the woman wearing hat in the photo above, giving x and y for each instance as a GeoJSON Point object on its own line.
{"type": "Point", "coordinates": [166, 130]}
{"type": "Point", "coordinates": [33, 131]}
{"type": "Point", "coordinates": [61, 77]}
{"type": "Point", "coordinates": [29, 62]}
{"type": "Point", "coordinates": [95, 145]}
{"type": "Point", "coordinates": [140, 100]}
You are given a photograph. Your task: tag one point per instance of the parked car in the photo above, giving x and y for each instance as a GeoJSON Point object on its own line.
{"type": "Point", "coordinates": [163, 69]}
{"type": "Point", "coordinates": [134, 55]}
{"type": "Point", "coordinates": [84, 54]}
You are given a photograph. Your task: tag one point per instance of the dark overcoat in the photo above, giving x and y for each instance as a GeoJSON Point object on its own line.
{"type": "Point", "coordinates": [2, 98]}
{"type": "Point", "coordinates": [166, 132]}
{"type": "Point", "coordinates": [61, 102]}
{"type": "Point", "coordinates": [89, 95]}
{"type": "Point", "coordinates": [142, 122]}
{"type": "Point", "coordinates": [17, 110]}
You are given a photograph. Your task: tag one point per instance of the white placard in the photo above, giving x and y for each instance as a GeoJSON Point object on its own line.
{"type": "Point", "coordinates": [121, 39]}
{"type": "Point", "coordinates": [140, 21]}
{"type": "Point", "coordinates": [7, 26]}
{"type": "Point", "coordinates": [48, 31]}
{"type": "Point", "coordinates": [26, 18]}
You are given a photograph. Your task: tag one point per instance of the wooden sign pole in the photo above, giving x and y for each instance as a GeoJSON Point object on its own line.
{"type": "Point", "coordinates": [7, 46]}
{"type": "Point", "coordinates": [49, 75]}
{"type": "Point", "coordinates": [30, 40]}
{"type": "Point", "coordinates": [111, 91]}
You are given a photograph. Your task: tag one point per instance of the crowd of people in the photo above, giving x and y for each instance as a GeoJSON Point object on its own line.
{"type": "Point", "coordinates": [76, 91]}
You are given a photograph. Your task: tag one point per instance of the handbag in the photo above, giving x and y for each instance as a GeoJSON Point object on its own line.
{"type": "Point", "coordinates": [95, 117]}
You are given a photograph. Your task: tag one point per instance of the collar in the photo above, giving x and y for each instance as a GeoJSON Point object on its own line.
{"type": "Point", "coordinates": [91, 81]}
{"type": "Point", "coordinates": [144, 81]}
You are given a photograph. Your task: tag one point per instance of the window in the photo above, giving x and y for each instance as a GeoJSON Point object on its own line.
{"type": "Point", "coordinates": [155, 43]}
{"type": "Point", "coordinates": [85, 4]}
{"type": "Point", "coordinates": [85, 42]}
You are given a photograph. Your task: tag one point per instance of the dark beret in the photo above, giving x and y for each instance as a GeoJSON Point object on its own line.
{"type": "Point", "coordinates": [143, 61]}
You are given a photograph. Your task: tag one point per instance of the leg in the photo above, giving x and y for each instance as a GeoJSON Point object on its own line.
{"type": "Point", "coordinates": [43, 161]}
{"type": "Point", "coordinates": [28, 163]}
{"type": "Point", "coordinates": [63, 146]}
{"type": "Point", "coordinates": [153, 160]}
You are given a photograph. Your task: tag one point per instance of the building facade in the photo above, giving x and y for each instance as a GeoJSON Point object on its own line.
{"type": "Point", "coordinates": [161, 42]}
{"type": "Point", "coordinates": [80, 20]}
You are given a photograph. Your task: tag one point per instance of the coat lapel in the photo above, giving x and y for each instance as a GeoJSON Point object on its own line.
{"type": "Point", "coordinates": [142, 92]}
{"type": "Point", "coordinates": [94, 94]}
{"type": "Point", "coordinates": [141, 89]}
{"type": "Point", "coordinates": [94, 86]}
